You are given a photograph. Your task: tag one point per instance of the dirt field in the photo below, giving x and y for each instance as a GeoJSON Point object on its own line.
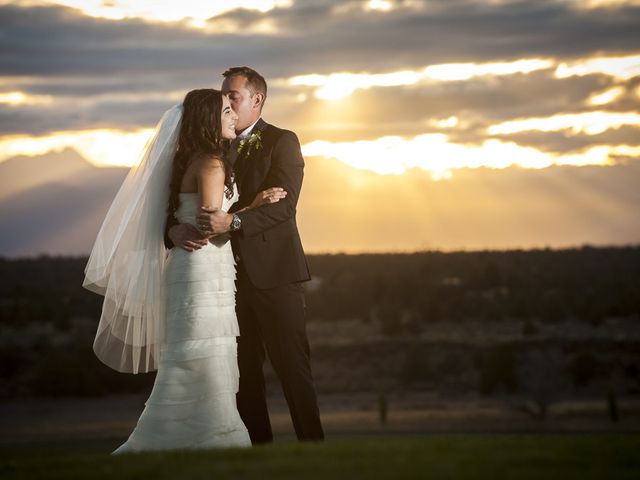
{"type": "Point", "coordinates": [343, 415]}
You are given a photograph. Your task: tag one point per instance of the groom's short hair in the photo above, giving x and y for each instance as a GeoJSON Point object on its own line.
{"type": "Point", "coordinates": [255, 81]}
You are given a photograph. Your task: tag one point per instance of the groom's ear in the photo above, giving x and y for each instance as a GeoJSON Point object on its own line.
{"type": "Point", "coordinates": [258, 100]}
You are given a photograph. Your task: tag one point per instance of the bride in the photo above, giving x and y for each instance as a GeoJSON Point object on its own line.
{"type": "Point", "coordinates": [175, 313]}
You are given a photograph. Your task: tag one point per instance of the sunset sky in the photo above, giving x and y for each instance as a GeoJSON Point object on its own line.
{"type": "Point", "coordinates": [425, 124]}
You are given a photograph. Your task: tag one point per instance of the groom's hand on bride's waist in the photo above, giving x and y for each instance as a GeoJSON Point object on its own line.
{"type": "Point", "coordinates": [187, 237]}
{"type": "Point", "coordinates": [213, 221]}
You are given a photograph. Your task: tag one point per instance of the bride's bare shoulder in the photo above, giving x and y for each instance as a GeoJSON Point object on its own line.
{"type": "Point", "coordinates": [201, 162]}
{"type": "Point", "coordinates": [204, 163]}
{"type": "Point", "coordinates": [209, 168]}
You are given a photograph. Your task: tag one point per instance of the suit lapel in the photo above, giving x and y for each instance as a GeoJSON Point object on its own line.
{"type": "Point", "coordinates": [243, 164]}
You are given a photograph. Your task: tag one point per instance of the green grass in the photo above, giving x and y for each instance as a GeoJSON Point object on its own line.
{"type": "Point", "coordinates": [455, 457]}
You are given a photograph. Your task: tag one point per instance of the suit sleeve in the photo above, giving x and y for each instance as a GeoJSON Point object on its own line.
{"type": "Point", "coordinates": [287, 171]}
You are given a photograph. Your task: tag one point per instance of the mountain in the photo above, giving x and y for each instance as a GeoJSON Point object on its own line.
{"type": "Point", "coordinates": [53, 203]}
{"type": "Point", "coordinates": [21, 173]}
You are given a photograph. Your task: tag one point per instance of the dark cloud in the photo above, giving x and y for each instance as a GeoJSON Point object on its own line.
{"type": "Point", "coordinates": [567, 142]}
{"type": "Point", "coordinates": [477, 103]}
{"type": "Point", "coordinates": [90, 65]}
{"type": "Point", "coordinates": [38, 120]}
{"type": "Point", "coordinates": [372, 113]}
{"type": "Point", "coordinates": [313, 38]}
{"type": "Point", "coordinates": [59, 41]}
{"type": "Point", "coordinates": [445, 31]}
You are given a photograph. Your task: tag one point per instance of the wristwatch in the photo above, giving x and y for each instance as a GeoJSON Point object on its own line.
{"type": "Point", "coordinates": [236, 223]}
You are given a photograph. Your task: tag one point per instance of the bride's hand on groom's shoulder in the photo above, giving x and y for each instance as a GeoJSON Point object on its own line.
{"type": "Point", "coordinates": [187, 237]}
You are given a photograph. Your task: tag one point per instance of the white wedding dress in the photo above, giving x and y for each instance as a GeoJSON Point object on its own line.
{"type": "Point", "coordinates": [193, 400]}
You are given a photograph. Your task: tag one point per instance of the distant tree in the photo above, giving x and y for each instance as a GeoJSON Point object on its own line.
{"type": "Point", "coordinates": [543, 378]}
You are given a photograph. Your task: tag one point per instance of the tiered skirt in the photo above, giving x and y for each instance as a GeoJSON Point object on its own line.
{"type": "Point", "coordinates": [193, 400]}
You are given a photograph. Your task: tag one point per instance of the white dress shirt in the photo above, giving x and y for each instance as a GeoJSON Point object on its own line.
{"type": "Point", "coordinates": [247, 131]}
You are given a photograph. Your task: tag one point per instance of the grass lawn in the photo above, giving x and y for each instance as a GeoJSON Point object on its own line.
{"type": "Point", "coordinates": [442, 456]}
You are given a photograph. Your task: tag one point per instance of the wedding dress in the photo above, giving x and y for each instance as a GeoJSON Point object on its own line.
{"type": "Point", "coordinates": [193, 400]}
{"type": "Point", "coordinates": [174, 314]}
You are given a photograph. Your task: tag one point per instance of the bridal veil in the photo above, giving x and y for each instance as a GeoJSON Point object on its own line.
{"type": "Point", "coordinates": [127, 259]}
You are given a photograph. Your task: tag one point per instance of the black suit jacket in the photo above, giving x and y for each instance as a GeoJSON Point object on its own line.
{"type": "Point", "coordinates": [268, 244]}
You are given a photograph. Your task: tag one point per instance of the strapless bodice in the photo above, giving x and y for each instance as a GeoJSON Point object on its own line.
{"type": "Point", "coordinates": [189, 206]}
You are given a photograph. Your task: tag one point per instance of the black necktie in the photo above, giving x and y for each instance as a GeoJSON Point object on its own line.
{"type": "Point", "coordinates": [233, 150]}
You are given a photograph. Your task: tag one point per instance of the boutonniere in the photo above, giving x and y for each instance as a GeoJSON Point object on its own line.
{"type": "Point", "coordinates": [254, 142]}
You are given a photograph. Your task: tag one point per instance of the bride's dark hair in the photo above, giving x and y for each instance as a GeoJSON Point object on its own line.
{"type": "Point", "coordinates": [200, 136]}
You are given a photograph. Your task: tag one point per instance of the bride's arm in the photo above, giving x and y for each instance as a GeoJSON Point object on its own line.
{"type": "Point", "coordinates": [213, 219]}
{"type": "Point", "coordinates": [270, 195]}
{"type": "Point", "coordinates": [210, 177]}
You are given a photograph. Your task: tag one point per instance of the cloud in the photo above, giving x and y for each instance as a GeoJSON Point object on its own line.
{"type": "Point", "coordinates": [565, 142]}
{"type": "Point", "coordinates": [405, 69]}
{"type": "Point", "coordinates": [13, 98]}
{"type": "Point", "coordinates": [477, 104]}
{"type": "Point", "coordinates": [621, 67]}
{"type": "Point", "coordinates": [606, 96]}
{"type": "Point", "coordinates": [483, 108]}
{"type": "Point", "coordinates": [436, 154]}
{"type": "Point", "coordinates": [312, 37]}
{"type": "Point", "coordinates": [339, 85]}
{"type": "Point", "coordinates": [104, 147]}
{"type": "Point", "coordinates": [194, 12]}
{"type": "Point", "coordinates": [591, 123]}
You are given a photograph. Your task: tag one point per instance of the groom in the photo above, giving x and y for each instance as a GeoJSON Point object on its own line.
{"type": "Point", "coordinates": [270, 262]}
